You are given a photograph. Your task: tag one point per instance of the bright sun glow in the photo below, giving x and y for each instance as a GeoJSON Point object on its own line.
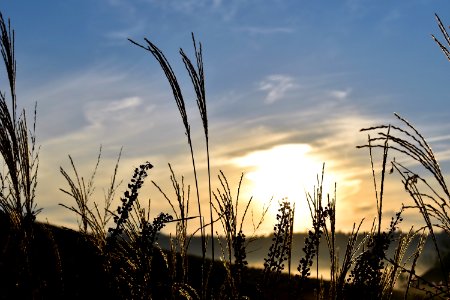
{"type": "Point", "coordinates": [286, 171]}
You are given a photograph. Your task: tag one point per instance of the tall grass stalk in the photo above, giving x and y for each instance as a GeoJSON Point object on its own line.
{"type": "Point", "coordinates": [198, 81]}
{"type": "Point", "coordinates": [330, 236]}
{"type": "Point", "coordinates": [17, 144]}
{"type": "Point", "coordinates": [319, 214]}
{"type": "Point", "coordinates": [197, 77]}
{"type": "Point", "coordinates": [444, 32]}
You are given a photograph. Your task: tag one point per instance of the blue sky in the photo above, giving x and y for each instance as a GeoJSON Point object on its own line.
{"type": "Point", "coordinates": [281, 76]}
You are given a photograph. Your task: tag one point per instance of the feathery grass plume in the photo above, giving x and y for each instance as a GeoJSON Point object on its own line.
{"type": "Point", "coordinates": [392, 271]}
{"type": "Point", "coordinates": [228, 210]}
{"type": "Point", "coordinates": [17, 145]}
{"type": "Point", "coordinates": [81, 192]}
{"type": "Point", "coordinates": [414, 257]}
{"type": "Point", "coordinates": [198, 81]}
{"type": "Point", "coordinates": [434, 201]}
{"type": "Point", "coordinates": [429, 290]}
{"type": "Point", "coordinates": [398, 264]}
{"type": "Point", "coordinates": [352, 248]}
{"type": "Point", "coordinates": [446, 37]}
{"type": "Point", "coordinates": [93, 220]}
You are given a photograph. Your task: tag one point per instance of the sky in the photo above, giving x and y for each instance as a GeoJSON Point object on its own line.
{"type": "Point", "coordinates": [288, 83]}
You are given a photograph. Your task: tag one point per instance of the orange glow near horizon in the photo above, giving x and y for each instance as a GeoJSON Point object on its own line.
{"type": "Point", "coordinates": [287, 171]}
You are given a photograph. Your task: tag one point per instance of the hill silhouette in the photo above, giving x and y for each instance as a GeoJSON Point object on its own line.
{"type": "Point", "coordinates": [64, 264]}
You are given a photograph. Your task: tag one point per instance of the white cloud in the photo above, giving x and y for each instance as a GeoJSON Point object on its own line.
{"type": "Point", "coordinates": [101, 108]}
{"type": "Point", "coordinates": [124, 104]}
{"type": "Point", "coordinates": [276, 87]}
{"type": "Point", "coordinates": [340, 94]}
{"type": "Point", "coordinates": [116, 114]}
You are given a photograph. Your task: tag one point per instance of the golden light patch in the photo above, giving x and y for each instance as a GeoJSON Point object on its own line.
{"type": "Point", "coordinates": [286, 171]}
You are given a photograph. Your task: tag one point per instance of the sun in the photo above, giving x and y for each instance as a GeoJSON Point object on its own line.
{"type": "Point", "coordinates": [287, 171]}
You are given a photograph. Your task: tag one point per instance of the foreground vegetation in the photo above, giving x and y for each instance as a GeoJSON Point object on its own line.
{"type": "Point", "coordinates": [115, 253]}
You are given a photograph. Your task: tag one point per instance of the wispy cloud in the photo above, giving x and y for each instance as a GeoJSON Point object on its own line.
{"type": "Point", "coordinates": [116, 113]}
{"type": "Point", "coordinates": [187, 6]}
{"type": "Point", "coordinates": [124, 33]}
{"type": "Point", "coordinates": [225, 10]}
{"type": "Point", "coordinates": [276, 87]}
{"type": "Point", "coordinates": [265, 30]}
{"type": "Point", "coordinates": [340, 94]}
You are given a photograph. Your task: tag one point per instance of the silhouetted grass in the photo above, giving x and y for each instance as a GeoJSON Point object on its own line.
{"type": "Point", "coordinates": [115, 253]}
{"type": "Point", "coordinates": [18, 180]}
{"type": "Point", "coordinates": [446, 37]}
{"type": "Point", "coordinates": [431, 198]}
{"type": "Point", "coordinates": [198, 81]}
{"type": "Point", "coordinates": [234, 247]}
{"type": "Point", "coordinates": [179, 243]}
{"type": "Point", "coordinates": [94, 219]}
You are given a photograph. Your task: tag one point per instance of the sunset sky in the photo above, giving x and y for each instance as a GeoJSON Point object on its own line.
{"type": "Point", "coordinates": [289, 84]}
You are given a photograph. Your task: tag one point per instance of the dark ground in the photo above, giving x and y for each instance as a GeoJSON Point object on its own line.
{"type": "Point", "coordinates": [60, 263]}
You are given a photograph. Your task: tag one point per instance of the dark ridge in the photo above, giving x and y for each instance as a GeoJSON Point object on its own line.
{"type": "Point", "coordinates": [62, 263]}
